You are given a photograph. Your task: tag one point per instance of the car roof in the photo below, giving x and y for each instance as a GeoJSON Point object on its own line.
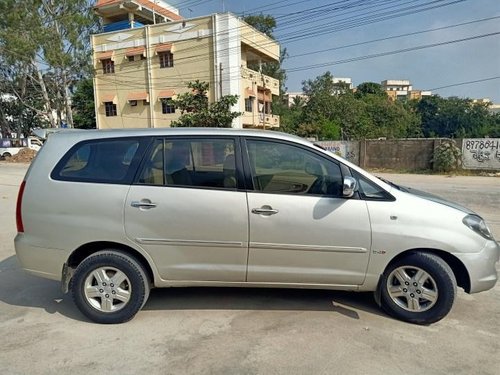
{"type": "Point", "coordinates": [78, 135]}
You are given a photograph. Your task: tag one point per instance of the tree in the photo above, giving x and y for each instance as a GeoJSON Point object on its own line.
{"type": "Point", "coordinates": [19, 115]}
{"type": "Point", "coordinates": [196, 111]}
{"type": "Point", "coordinates": [455, 117]}
{"type": "Point", "coordinates": [334, 112]}
{"type": "Point", "coordinates": [372, 88]}
{"type": "Point", "coordinates": [83, 105]}
{"type": "Point", "coordinates": [47, 42]}
{"type": "Point", "coordinates": [264, 23]}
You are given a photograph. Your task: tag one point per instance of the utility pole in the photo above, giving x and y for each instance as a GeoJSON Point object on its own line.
{"type": "Point", "coordinates": [220, 80]}
{"type": "Point", "coordinates": [263, 96]}
{"type": "Point", "coordinates": [154, 14]}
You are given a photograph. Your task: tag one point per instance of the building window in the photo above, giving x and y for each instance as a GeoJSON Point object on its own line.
{"type": "Point", "coordinates": [267, 108]}
{"type": "Point", "coordinates": [108, 66]}
{"type": "Point", "coordinates": [130, 58]}
{"type": "Point", "coordinates": [133, 103]}
{"type": "Point", "coordinates": [110, 109]}
{"type": "Point", "coordinates": [249, 104]}
{"type": "Point", "coordinates": [166, 59]}
{"type": "Point", "coordinates": [167, 106]}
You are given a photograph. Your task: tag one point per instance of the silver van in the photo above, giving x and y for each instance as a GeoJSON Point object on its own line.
{"type": "Point", "coordinates": [114, 213]}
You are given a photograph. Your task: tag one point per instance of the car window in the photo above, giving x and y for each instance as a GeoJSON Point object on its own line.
{"type": "Point", "coordinates": [285, 169]}
{"type": "Point", "coordinates": [100, 161]}
{"type": "Point", "coordinates": [197, 163]}
{"type": "Point", "coordinates": [369, 190]}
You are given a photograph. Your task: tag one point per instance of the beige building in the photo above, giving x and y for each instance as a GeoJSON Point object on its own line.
{"type": "Point", "coordinates": [402, 89]}
{"type": "Point", "coordinates": [148, 53]}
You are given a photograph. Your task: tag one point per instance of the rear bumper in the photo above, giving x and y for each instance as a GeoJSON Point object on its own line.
{"type": "Point", "coordinates": [482, 266]}
{"type": "Point", "coordinates": [40, 261]}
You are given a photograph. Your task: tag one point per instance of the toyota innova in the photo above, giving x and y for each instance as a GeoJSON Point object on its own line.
{"type": "Point", "coordinates": [115, 213]}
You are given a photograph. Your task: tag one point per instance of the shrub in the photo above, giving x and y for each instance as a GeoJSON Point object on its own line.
{"type": "Point", "coordinates": [447, 156]}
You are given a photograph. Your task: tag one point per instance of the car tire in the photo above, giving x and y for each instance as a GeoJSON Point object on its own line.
{"type": "Point", "coordinates": [110, 287]}
{"type": "Point", "coordinates": [419, 288]}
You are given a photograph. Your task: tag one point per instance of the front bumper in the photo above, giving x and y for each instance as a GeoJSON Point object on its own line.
{"type": "Point", "coordinates": [482, 266]}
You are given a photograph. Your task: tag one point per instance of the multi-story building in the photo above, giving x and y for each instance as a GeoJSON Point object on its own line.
{"type": "Point", "coordinates": [402, 89]}
{"type": "Point", "coordinates": [148, 54]}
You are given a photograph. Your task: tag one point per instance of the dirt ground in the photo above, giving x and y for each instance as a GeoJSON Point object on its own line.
{"type": "Point", "coordinates": [245, 331]}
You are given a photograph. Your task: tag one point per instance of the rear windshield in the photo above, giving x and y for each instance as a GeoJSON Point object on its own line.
{"type": "Point", "coordinates": [102, 160]}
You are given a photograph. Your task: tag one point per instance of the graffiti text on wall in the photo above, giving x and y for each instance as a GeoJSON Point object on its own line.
{"type": "Point", "coordinates": [347, 150]}
{"type": "Point", "coordinates": [481, 153]}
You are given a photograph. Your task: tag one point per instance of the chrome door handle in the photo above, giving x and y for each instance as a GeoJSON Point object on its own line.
{"type": "Point", "coordinates": [265, 210]}
{"type": "Point", "coordinates": [145, 203]}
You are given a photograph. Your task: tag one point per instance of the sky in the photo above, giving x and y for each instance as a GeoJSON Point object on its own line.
{"type": "Point", "coordinates": [304, 27]}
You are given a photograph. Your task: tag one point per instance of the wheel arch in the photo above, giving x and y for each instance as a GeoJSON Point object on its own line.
{"type": "Point", "coordinates": [459, 270]}
{"type": "Point", "coordinates": [78, 255]}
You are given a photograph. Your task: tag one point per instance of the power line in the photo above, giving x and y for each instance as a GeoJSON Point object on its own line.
{"type": "Point", "coordinates": [465, 83]}
{"type": "Point", "coordinates": [224, 52]}
{"type": "Point", "coordinates": [330, 63]}
{"type": "Point", "coordinates": [392, 37]}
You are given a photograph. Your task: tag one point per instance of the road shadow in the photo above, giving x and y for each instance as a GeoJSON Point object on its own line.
{"type": "Point", "coordinates": [18, 288]}
{"type": "Point", "coordinates": [21, 289]}
{"type": "Point", "coordinates": [270, 299]}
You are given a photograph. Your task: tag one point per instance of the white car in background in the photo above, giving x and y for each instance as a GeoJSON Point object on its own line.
{"type": "Point", "coordinates": [11, 146]}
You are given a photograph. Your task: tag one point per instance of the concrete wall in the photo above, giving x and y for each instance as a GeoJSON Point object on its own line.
{"type": "Point", "coordinates": [481, 153]}
{"type": "Point", "coordinates": [412, 154]}
{"type": "Point", "coordinates": [346, 149]}
{"type": "Point", "coordinates": [415, 154]}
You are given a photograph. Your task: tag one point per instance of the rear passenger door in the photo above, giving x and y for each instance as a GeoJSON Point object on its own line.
{"type": "Point", "coordinates": [186, 209]}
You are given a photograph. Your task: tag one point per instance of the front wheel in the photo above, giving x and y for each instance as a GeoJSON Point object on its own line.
{"type": "Point", "coordinates": [110, 287]}
{"type": "Point", "coordinates": [419, 288]}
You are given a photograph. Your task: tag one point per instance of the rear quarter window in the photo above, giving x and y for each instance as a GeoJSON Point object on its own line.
{"type": "Point", "coordinates": [101, 160]}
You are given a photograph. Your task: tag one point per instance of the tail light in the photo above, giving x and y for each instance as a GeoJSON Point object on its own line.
{"type": "Point", "coordinates": [19, 216]}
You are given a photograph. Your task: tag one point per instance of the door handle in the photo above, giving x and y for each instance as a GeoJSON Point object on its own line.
{"type": "Point", "coordinates": [145, 203]}
{"type": "Point", "coordinates": [265, 210]}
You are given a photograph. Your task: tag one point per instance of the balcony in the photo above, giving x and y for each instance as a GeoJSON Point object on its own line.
{"type": "Point", "coordinates": [261, 80]}
{"type": "Point", "coordinates": [259, 120]}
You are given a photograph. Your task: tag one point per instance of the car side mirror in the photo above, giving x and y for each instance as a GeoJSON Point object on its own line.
{"type": "Point", "coordinates": [349, 187]}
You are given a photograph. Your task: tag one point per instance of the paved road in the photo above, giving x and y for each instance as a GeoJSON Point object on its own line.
{"type": "Point", "coordinates": [244, 331]}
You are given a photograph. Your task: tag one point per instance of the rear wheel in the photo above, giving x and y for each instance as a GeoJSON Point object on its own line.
{"type": "Point", "coordinates": [6, 155]}
{"type": "Point", "coordinates": [110, 287]}
{"type": "Point", "coordinates": [419, 288]}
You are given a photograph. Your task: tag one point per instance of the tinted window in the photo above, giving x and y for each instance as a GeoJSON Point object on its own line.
{"type": "Point", "coordinates": [371, 191]}
{"type": "Point", "coordinates": [108, 161]}
{"type": "Point", "coordinates": [286, 169]}
{"type": "Point", "coordinates": [198, 163]}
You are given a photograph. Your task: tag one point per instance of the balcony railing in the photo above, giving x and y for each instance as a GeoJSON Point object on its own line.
{"type": "Point", "coordinates": [259, 120]}
{"type": "Point", "coordinates": [261, 80]}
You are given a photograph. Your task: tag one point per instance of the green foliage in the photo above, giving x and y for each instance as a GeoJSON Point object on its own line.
{"type": "Point", "coordinates": [455, 118]}
{"type": "Point", "coordinates": [46, 42]}
{"type": "Point", "coordinates": [334, 112]}
{"type": "Point", "coordinates": [447, 157]}
{"type": "Point", "coordinates": [83, 105]}
{"type": "Point", "coordinates": [196, 111]}
{"type": "Point", "coordinates": [370, 88]}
